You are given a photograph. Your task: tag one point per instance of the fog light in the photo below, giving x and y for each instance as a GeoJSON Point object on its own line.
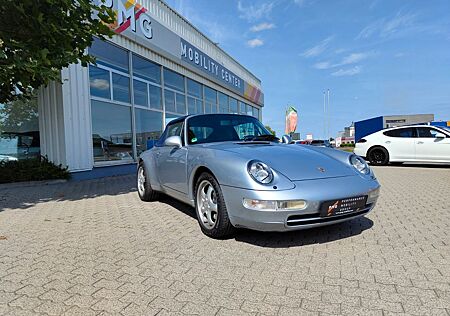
{"type": "Point", "coordinates": [261, 205]}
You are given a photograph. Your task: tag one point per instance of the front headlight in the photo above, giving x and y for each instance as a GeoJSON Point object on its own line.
{"type": "Point", "coordinates": [260, 172]}
{"type": "Point", "coordinates": [360, 164]}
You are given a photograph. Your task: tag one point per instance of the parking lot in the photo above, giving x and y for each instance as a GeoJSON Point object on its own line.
{"type": "Point", "coordinates": [93, 248]}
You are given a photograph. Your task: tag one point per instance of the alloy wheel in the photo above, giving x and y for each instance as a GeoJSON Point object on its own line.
{"type": "Point", "coordinates": [207, 204]}
{"type": "Point", "coordinates": [378, 157]}
{"type": "Point", "coordinates": [141, 181]}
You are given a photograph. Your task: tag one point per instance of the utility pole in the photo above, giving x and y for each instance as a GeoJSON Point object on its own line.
{"type": "Point", "coordinates": [328, 112]}
{"type": "Point", "coordinates": [324, 116]}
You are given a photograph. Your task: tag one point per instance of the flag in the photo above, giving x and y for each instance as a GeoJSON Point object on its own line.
{"type": "Point", "coordinates": [291, 120]}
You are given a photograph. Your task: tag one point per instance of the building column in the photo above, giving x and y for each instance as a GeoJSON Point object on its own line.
{"type": "Point", "coordinates": [65, 122]}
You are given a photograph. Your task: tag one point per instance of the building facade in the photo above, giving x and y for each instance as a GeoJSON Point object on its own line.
{"type": "Point", "coordinates": [156, 68]}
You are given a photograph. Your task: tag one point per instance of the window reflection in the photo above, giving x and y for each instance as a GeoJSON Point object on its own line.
{"type": "Point", "coordinates": [140, 93]}
{"type": "Point", "coordinates": [111, 132]}
{"type": "Point", "coordinates": [223, 103]}
{"type": "Point", "coordinates": [233, 106]}
{"type": "Point", "coordinates": [181, 103]}
{"type": "Point", "coordinates": [148, 129]}
{"type": "Point", "coordinates": [121, 88]}
{"type": "Point", "coordinates": [194, 88]}
{"type": "Point", "coordinates": [109, 55]}
{"type": "Point", "coordinates": [170, 100]}
{"type": "Point", "coordinates": [19, 130]}
{"type": "Point", "coordinates": [99, 82]}
{"type": "Point", "coordinates": [145, 69]}
{"type": "Point", "coordinates": [155, 97]}
{"type": "Point", "coordinates": [173, 80]}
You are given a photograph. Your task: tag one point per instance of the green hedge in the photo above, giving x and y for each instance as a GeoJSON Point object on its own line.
{"type": "Point", "coordinates": [31, 170]}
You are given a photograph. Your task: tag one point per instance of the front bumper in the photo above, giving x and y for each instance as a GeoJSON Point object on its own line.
{"type": "Point", "coordinates": [315, 192]}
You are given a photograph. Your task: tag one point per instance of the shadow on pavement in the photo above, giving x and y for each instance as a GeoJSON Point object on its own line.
{"type": "Point", "coordinates": [417, 165]}
{"type": "Point", "coordinates": [26, 197]}
{"type": "Point", "coordinates": [319, 235]}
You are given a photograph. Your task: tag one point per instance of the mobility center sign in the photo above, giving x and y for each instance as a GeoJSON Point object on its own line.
{"type": "Point", "coordinates": [135, 22]}
{"type": "Point", "coordinates": [197, 58]}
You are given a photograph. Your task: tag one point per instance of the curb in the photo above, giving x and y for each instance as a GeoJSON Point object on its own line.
{"type": "Point", "coordinates": [14, 185]}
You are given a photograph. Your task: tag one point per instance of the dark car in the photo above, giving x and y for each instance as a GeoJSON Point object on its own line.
{"type": "Point", "coordinates": [320, 143]}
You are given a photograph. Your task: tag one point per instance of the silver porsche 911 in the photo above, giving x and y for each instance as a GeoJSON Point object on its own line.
{"type": "Point", "coordinates": [236, 174]}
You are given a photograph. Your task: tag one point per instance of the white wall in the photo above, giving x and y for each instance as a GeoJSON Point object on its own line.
{"type": "Point", "coordinates": [65, 120]}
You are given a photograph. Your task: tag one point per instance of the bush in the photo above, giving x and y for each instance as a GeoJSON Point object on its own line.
{"type": "Point", "coordinates": [31, 170]}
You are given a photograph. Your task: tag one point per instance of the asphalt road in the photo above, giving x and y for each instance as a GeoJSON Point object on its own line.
{"type": "Point", "coordinates": [93, 248]}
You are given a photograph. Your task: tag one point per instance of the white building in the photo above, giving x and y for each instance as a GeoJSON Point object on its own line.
{"type": "Point", "coordinates": [158, 67]}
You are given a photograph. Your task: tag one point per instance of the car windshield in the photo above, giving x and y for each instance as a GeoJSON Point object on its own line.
{"type": "Point", "coordinates": [226, 127]}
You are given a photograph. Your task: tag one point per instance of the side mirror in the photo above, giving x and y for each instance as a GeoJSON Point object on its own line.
{"type": "Point", "coordinates": [440, 135]}
{"type": "Point", "coordinates": [173, 141]}
{"type": "Point", "coordinates": [286, 139]}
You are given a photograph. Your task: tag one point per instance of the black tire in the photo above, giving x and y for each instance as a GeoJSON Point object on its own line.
{"type": "Point", "coordinates": [222, 226]}
{"type": "Point", "coordinates": [146, 193]}
{"type": "Point", "coordinates": [378, 156]}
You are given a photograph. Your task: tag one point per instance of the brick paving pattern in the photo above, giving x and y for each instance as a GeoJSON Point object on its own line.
{"type": "Point", "coordinates": [93, 248]}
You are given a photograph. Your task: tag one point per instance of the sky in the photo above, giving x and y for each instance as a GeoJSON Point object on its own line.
{"type": "Point", "coordinates": [377, 57]}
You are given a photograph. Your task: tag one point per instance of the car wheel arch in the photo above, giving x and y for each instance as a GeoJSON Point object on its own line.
{"type": "Point", "coordinates": [195, 175]}
{"type": "Point", "coordinates": [376, 147]}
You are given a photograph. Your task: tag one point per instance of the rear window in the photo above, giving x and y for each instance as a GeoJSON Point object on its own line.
{"type": "Point", "coordinates": [401, 132]}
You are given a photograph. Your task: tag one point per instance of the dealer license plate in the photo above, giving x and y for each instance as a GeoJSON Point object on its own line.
{"type": "Point", "coordinates": [342, 207]}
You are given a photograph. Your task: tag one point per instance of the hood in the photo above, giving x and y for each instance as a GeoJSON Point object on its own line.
{"type": "Point", "coordinates": [296, 162]}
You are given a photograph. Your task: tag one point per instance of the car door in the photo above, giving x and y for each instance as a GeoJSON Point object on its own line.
{"type": "Point", "coordinates": [171, 161]}
{"type": "Point", "coordinates": [400, 144]}
{"type": "Point", "coordinates": [429, 147]}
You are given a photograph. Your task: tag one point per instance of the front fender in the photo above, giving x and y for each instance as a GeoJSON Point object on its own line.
{"type": "Point", "coordinates": [230, 169]}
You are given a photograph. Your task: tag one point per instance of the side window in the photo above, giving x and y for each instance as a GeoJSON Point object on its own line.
{"type": "Point", "coordinates": [426, 132]}
{"type": "Point", "coordinates": [401, 132]}
{"type": "Point", "coordinates": [171, 130]}
{"type": "Point", "coordinates": [175, 129]}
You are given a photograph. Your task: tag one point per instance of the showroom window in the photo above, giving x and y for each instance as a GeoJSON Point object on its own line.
{"type": "Point", "coordinates": [175, 100]}
{"type": "Point", "coordinates": [242, 108]}
{"type": "Point", "coordinates": [148, 129]}
{"type": "Point", "coordinates": [223, 103]}
{"type": "Point", "coordinates": [210, 100]}
{"type": "Point", "coordinates": [109, 55]}
{"type": "Point", "coordinates": [99, 82]}
{"type": "Point", "coordinates": [146, 83]}
{"type": "Point", "coordinates": [233, 106]}
{"type": "Point", "coordinates": [111, 132]}
{"type": "Point", "coordinates": [249, 109]}
{"type": "Point", "coordinates": [195, 97]}
{"type": "Point", "coordinates": [19, 130]}
{"type": "Point", "coordinates": [109, 78]}
{"type": "Point", "coordinates": [255, 112]}
{"type": "Point", "coordinates": [146, 70]}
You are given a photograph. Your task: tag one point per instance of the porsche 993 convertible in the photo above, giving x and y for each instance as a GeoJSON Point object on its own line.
{"type": "Point", "coordinates": [238, 175]}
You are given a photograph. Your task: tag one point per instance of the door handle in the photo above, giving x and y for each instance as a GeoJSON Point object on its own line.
{"type": "Point", "coordinates": [419, 142]}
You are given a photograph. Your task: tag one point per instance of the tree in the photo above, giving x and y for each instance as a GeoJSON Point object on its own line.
{"type": "Point", "coordinates": [40, 37]}
{"type": "Point", "coordinates": [270, 130]}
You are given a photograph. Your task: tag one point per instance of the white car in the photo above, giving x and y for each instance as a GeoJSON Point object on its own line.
{"type": "Point", "coordinates": [417, 143]}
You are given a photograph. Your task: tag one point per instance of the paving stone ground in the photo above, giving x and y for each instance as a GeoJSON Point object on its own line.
{"type": "Point", "coordinates": [93, 248]}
